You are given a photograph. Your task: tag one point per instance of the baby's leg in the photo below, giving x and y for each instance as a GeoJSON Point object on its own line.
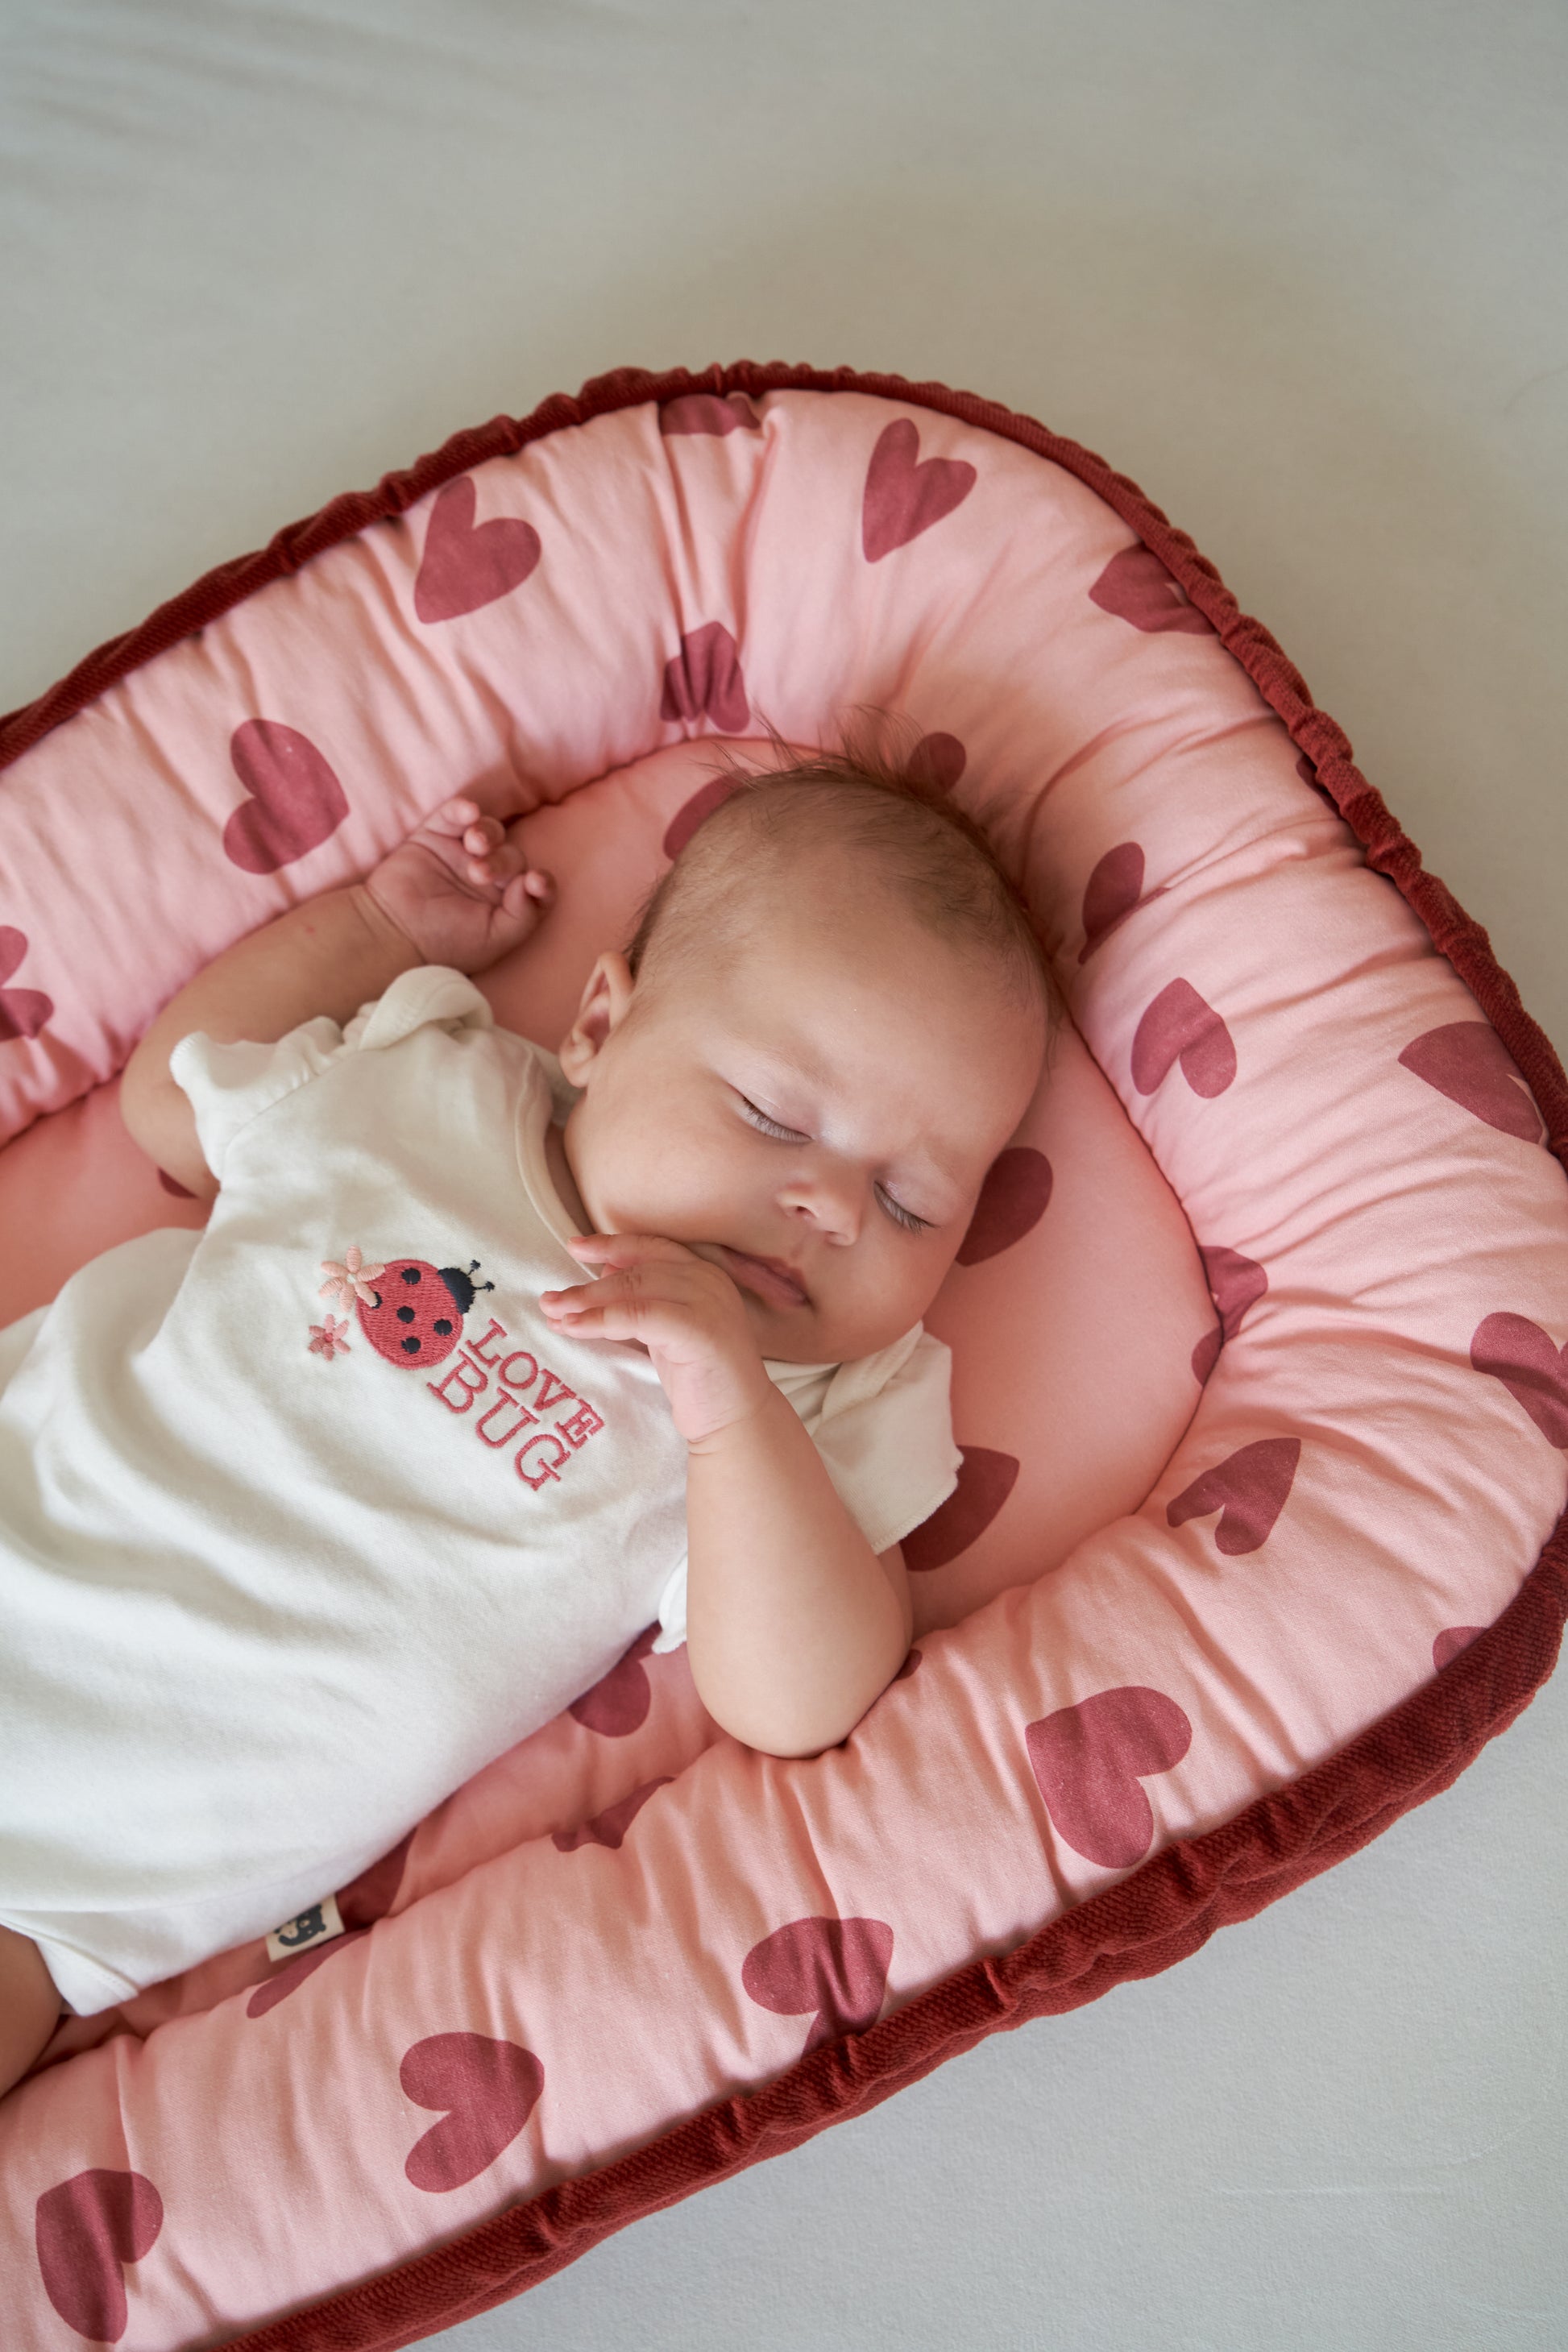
{"type": "Point", "coordinates": [29, 2005]}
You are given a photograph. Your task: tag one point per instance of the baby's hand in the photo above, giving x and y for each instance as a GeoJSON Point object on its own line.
{"type": "Point", "coordinates": [688, 1314]}
{"type": "Point", "coordinates": [460, 888]}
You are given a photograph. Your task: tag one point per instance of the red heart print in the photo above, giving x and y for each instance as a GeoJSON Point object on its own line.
{"type": "Point", "coordinates": [1179, 1027]}
{"type": "Point", "coordinates": [1248, 1489]}
{"type": "Point", "coordinates": [901, 497]}
{"type": "Point", "coordinates": [296, 801]}
{"type": "Point", "coordinates": [293, 1973]}
{"type": "Point", "coordinates": [371, 1895]}
{"type": "Point", "coordinates": [1013, 1198]}
{"type": "Point", "coordinates": [1113, 891]}
{"type": "Point", "coordinates": [1450, 1642]}
{"type": "Point", "coordinates": [705, 675]}
{"type": "Point", "coordinates": [1468, 1061]}
{"type": "Point", "coordinates": [690, 814]}
{"type": "Point", "coordinates": [1135, 586]}
{"type": "Point", "coordinates": [836, 1969]}
{"type": "Point", "coordinates": [466, 564]}
{"type": "Point", "coordinates": [1089, 1759]}
{"type": "Point", "coordinates": [609, 1827]}
{"type": "Point", "coordinates": [23, 1011]}
{"type": "Point", "coordinates": [619, 1701]}
{"type": "Point", "coordinates": [85, 2229]}
{"type": "Point", "coordinates": [1534, 1371]}
{"type": "Point", "coordinates": [490, 2089]}
{"type": "Point", "coordinates": [986, 1479]}
{"type": "Point", "coordinates": [1235, 1283]}
{"type": "Point", "coordinates": [709, 411]}
{"type": "Point", "coordinates": [938, 760]}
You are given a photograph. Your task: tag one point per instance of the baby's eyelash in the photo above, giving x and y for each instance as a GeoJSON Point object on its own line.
{"type": "Point", "coordinates": [902, 1216]}
{"type": "Point", "coordinates": [770, 1126]}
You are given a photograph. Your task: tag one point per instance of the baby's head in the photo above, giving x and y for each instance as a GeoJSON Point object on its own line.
{"type": "Point", "coordinates": [832, 1016]}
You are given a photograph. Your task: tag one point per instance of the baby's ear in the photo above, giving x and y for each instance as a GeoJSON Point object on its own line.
{"type": "Point", "coordinates": [604, 1004]}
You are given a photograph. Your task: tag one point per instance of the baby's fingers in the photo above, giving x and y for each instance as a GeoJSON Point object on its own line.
{"type": "Point", "coordinates": [637, 1301]}
{"type": "Point", "coordinates": [629, 1249]}
{"type": "Point", "coordinates": [500, 798]}
{"type": "Point", "coordinates": [603, 1311]}
{"type": "Point", "coordinates": [523, 889]}
{"type": "Point", "coordinates": [454, 817]}
{"type": "Point", "coordinates": [492, 862]}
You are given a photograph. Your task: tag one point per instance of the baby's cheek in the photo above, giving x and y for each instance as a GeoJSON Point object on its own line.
{"type": "Point", "coordinates": [683, 1187]}
{"type": "Point", "coordinates": [925, 1268]}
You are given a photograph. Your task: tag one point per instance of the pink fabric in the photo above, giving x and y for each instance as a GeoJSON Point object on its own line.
{"type": "Point", "coordinates": [631, 1917]}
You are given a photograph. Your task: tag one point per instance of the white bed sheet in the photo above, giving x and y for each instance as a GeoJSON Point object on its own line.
{"type": "Point", "coordinates": [1300, 271]}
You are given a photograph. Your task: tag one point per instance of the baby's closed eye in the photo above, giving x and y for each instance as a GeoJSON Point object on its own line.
{"type": "Point", "coordinates": [895, 1208]}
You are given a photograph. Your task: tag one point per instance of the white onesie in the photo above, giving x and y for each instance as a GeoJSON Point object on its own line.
{"type": "Point", "coordinates": [279, 1571]}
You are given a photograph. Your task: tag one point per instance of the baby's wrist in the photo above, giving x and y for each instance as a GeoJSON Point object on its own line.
{"type": "Point", "coordinates": [746, 1424]}
{"type": "Point", "coordinates": [385, 930]}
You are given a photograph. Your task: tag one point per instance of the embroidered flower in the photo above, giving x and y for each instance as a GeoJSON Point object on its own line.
{"type": "Point", "coordinates": [327, 1338]}
{"type": "Point", "coordinates": [350, 1280]}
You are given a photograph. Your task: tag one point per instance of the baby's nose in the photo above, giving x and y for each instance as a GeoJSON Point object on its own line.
{"type": "Point", "coordinates": [833, 1199]}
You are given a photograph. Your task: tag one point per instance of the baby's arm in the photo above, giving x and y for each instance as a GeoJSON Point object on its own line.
{"type": "Point", "coordinates": [458, 891]}
{"type": "Point", "coordinates": [331, 955]}
{"type": "Point", "coordinates": [793, 1624]}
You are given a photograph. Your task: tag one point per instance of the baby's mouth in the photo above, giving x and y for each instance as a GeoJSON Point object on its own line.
{"type": "Point", "coordinates": [766, 1278]}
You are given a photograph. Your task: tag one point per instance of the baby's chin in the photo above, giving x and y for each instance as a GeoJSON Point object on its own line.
{"type": "Point", "coordinates": [804, 1335]}
{"type": "Point", "coordinates": [788, 1335]}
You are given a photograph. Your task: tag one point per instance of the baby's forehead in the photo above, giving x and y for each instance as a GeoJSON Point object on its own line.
{"type": "Point", "coordinates": [870, 940]}
{"type": "Point", "coordinates": [832, 912]}
{"type": "Point", "coordinates": [815, 945]}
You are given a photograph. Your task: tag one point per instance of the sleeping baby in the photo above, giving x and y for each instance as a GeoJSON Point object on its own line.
{"type": "Point", "coordinates": [311, 1514]}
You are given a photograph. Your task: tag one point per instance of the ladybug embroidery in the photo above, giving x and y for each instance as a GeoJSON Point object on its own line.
{"type": "Point", "coordinates": [417, 1316]}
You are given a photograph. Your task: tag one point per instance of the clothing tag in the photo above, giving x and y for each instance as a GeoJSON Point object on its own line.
{"type": "Point", "coordinates": [318, 1924]}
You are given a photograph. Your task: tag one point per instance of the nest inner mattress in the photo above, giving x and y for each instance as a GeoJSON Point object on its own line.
{"type": "Point", "coordinates": [1259, 1373]}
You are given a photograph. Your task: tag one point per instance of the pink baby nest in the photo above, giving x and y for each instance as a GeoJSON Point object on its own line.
{"type": "Point", "coordinates": [1258, 1331]}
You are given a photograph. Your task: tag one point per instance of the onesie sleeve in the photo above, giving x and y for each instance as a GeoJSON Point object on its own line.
{"type": "Point", "coordinates": [672, 1612]}
{"type": "Point", "coordinates": [230, 1085]}
{"type": "Point", "coordinates": [885, 1434]}
{"type": "Point", "coordinates": [889, 1448]}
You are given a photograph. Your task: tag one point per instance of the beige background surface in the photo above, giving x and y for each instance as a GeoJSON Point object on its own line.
{"type": "Point", "coordinates": [1300, 270]}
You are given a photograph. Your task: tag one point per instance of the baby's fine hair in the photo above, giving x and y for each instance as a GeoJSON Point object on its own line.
{"type": "Point", "coordinates": [871, 799]}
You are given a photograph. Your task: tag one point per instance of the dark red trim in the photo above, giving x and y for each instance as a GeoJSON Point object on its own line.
{"type": "Point", "coordinates": [1171, 1905]}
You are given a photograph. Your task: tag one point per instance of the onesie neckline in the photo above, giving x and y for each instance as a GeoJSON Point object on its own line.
{"type": "Point", "coordinates": [528, 1136]}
